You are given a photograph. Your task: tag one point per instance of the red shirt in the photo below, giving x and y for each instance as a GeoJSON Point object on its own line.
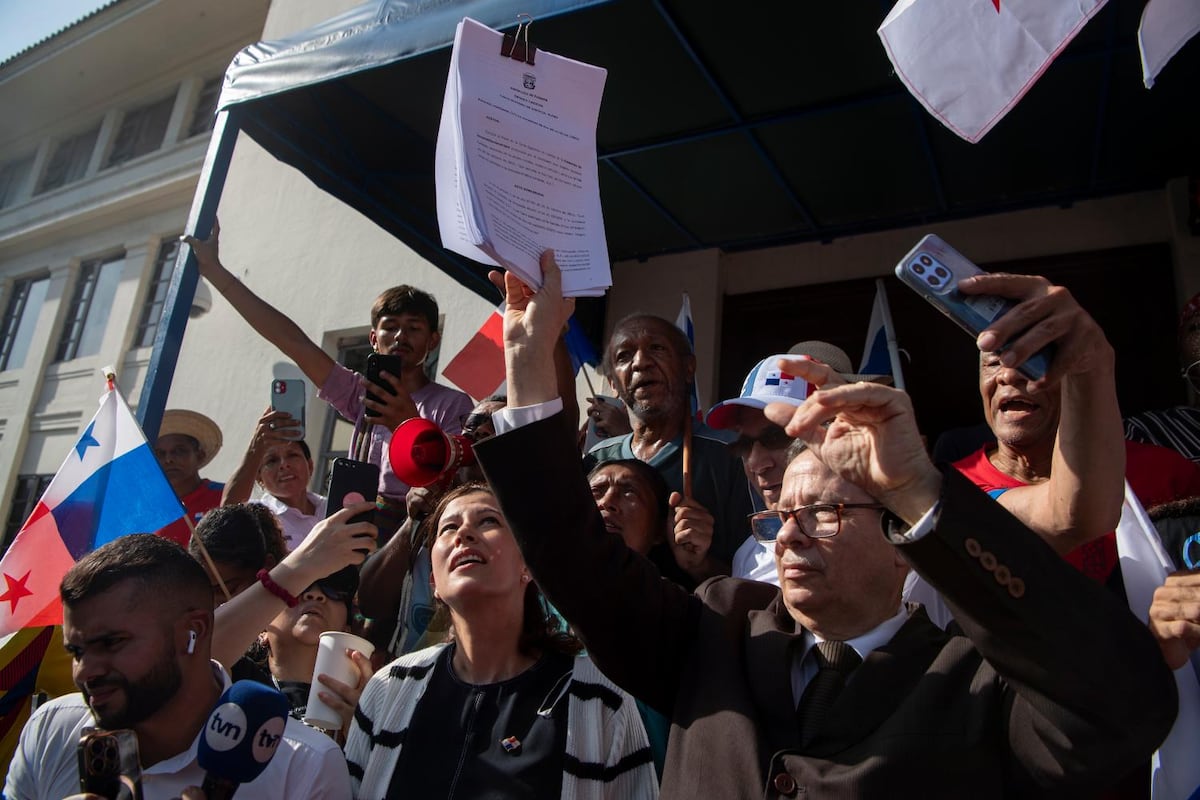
{"type": "Point", "coordinates": [198, 502]}
{"type": "Point", "coordinates": [1156, 475]}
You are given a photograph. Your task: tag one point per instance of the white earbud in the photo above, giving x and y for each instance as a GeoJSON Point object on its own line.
{"type": "Point", "coordinates": [191, 645]}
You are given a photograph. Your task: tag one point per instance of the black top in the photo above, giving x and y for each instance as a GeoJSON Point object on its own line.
{"type": "Point", "coordinates": [455, 745]}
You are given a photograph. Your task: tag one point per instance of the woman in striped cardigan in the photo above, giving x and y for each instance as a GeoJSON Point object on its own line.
{"type": "Point", "coordinates": [508, 709]}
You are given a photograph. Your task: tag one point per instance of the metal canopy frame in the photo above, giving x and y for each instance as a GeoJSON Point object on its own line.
{"type": "Point", "coordinates": [779, 124]}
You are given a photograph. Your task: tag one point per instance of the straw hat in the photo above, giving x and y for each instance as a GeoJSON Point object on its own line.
{"type": "Point", "coordinates": [195, 425]}
{"type": "Point", "coordinates": [835, 357]}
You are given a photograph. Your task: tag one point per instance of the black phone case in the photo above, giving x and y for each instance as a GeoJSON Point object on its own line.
{"type": "Point", "coordinates": [348, 476]}
{"type": "Point", "coordinates": [381, 362]}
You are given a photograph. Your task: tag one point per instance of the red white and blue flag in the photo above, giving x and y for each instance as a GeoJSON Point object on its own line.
{"type": "Point", "coordinates": [478, 369]}
{"type": "Point", "coordinates": [776, 377]}
{"type": "Point", "coordinates": [684, 322]}
{"type": "Point", "coordinates": [881, 355]}
{"type": "Point", "coordinates": [970, 61]}
{"type": "Point", "coordinates": [1174, 769]}
{"type": "Point", "coordinates": [1165, 28]}
{"type": "Point", "coordinates": [109, 485]}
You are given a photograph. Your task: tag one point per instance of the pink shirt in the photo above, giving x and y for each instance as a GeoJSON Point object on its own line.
{"type": "Point", "coordinates": [439, 404]}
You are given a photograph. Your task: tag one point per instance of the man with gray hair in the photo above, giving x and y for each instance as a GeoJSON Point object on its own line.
{"type": "Point", "coordinates": [765, 448]}
{"type": "Point", "coordinates": [651, 364]}
{"type": "Point", "coordinates": [830, 687]}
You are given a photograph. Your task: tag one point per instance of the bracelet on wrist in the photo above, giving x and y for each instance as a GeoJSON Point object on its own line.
{"type": "Point", "coordinates": [274, 588]}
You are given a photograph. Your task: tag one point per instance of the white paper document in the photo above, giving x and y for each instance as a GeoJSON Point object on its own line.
{"type": "Point", "coordinates": [516, 167]}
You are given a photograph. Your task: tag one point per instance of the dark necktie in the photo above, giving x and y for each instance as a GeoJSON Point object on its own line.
{"type": "Point", "coordinates": [835, 660]}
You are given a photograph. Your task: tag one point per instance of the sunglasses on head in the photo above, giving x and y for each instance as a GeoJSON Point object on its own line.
{"type": "Point", "coordinates": [331, 593]}
{"type": "Point", "coordinates": [470, 422]}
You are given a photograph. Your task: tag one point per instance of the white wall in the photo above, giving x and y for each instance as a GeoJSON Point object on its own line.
{"type": "Point", "coordinates": [312, 257]}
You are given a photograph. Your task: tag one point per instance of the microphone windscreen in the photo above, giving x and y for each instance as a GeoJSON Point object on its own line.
{"type": "Point", "coordinates": [243, 732]}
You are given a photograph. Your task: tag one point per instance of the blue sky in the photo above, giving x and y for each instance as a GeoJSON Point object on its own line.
{"type": "Point", "coordinates": [24, 22]}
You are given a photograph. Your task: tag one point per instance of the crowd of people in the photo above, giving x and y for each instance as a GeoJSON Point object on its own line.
{"type": "Point", "coordinates": [787, 598]}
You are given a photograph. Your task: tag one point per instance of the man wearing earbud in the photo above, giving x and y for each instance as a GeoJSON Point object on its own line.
{"type": "Point", "coordinates": [138, 622]}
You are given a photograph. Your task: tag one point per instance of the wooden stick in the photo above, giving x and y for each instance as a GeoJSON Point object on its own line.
{"type": "Point", "coordinates": [212, 567]}
{"type": "Point", "coordinates": [687, 457]}
{"type": "Point", "coordinates": [588, 378]}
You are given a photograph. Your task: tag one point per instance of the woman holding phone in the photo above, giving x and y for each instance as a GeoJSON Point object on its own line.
{"type": "Point", "coordinates": [281, 465]}
{"type": "Point", "coordinates": [508, 707]}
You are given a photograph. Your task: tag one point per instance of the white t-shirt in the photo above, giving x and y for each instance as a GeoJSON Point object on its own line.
{"type": "Point", "coordinates": [307, 765]}
{"type": "Point", "coordinates": [755, 561]}
{"type": "Point", "coordinates": [296, 525]}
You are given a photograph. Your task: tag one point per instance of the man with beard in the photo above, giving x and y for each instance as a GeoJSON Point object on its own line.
{"type": "Point", "coordinates": [651, 364]}
{"type": "Point", "coordinates": [138, 621]}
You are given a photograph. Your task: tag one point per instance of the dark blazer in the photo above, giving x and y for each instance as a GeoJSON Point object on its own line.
{"type": "Point", "coordinates": [1058, 690]}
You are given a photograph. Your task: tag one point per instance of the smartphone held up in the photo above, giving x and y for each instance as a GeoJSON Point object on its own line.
{"type": "Point", "coordinates": [933, 270]}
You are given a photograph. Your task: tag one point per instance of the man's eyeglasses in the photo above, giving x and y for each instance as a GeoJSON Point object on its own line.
{"type": "Point", "coordinates": [816, 521]}
{"type": "Point", "coordinates": [1191, 374]}
{"type": "Point", "coordinates": [773, 438]}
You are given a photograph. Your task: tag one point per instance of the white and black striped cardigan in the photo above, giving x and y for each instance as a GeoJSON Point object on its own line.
{"type": "Point", "coordinates": [607, 755]}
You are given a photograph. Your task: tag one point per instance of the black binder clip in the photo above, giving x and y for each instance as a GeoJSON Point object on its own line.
{"type": "Point", "coordinates": [516, 45]}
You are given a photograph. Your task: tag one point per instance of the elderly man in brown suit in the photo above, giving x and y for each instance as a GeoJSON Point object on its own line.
{"type": "Point", "coordinates": [828, 687]}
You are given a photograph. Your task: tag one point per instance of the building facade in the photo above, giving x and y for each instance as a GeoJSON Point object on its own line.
{"type": "Point", "coordinates": [100, 151]}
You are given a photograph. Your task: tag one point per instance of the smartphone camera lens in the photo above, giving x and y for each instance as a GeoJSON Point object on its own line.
{"type": "Point", "coordinates": [917, 268]}
{"type": "Point", "coordinates": [932, 281]}
{"type": "Point", "coordinates": [927, 261]}
{"type": "Point", "coordinates": [941, 272]}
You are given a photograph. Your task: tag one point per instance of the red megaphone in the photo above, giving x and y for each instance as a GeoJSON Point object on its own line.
{"type": "Point", "coordinates": [422, 453]}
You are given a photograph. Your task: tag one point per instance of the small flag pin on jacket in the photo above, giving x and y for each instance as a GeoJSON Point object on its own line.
{"type": "Point", "coordinates": [511, 745]}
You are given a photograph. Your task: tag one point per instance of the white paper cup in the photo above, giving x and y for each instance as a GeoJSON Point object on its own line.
{"type": "Point", "coordinates": [333, 661]}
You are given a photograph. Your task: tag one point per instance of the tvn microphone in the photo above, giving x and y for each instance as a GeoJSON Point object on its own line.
{"type": "Point", "coordinates": [240, 737]}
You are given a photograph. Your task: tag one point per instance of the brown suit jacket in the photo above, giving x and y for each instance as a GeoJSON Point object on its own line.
{"type": "Point", "coordinates": [1055, 688]}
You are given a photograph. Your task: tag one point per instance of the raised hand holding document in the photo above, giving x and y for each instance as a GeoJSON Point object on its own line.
{"type": "Point", "coordinates": [516, 166]}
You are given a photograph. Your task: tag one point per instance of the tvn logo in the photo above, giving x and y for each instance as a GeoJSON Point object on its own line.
{"type": "Point", "coordinates": [226, 727]}
{"type": "Point", "coordinates": [267, 739]}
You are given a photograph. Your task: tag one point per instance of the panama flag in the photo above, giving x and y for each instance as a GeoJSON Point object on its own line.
{"type": "Point", "coordinates": [579, 347]}
{"type": "Point", "coordinates": [970, 61]}
{"type": "Point", "coordinates": [684, 322]}
{"type": "Point", "coordinates": [1174, 770]}
{"type": "Point", "coordinates": [478, 369]}
{"type": "Point", "coordinates": [109, 485]}
{"type": "Point", "coordinates": [1166, 26]}
{"type": "Point", "coordinates": [880, 353]}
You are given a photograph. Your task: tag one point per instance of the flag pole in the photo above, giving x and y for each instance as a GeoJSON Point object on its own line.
{"type": "Point", "coordinates": [890, 332]}
{"type": "Point", "coordinates": [687, 458]}
{"type": "Point", "coordinates": [192, 537]}
{"type": "Point", "coordinates": [591, 389]}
